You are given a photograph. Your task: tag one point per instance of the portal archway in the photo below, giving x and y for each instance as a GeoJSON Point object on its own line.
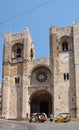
{"type": "Point", "coordinates": [41, 101]}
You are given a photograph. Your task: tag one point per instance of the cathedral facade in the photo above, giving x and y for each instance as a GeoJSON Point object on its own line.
{"type": "Point", "coordinates": [49, 85]}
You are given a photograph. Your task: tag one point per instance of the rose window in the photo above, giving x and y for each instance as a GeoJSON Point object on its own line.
{"type": "Point", "coordinates": [41, 77]}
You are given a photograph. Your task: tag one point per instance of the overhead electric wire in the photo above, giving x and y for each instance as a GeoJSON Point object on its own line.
{"type": "Point", "coordinates": [27, 11]}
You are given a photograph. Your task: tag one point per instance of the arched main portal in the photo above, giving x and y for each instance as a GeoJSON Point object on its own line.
{"type": "Point", "coordinates": [41, 101]}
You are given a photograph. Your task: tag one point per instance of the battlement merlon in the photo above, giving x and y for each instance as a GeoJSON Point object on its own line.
{"type": "Point", "coordinates": [55, 29]}
{"type": "Point", "coordinates": [52, 29]}
{"type": "Point", "coordinates": [60, 30]}
{"type": "Point", "coordinates": [10, 37]}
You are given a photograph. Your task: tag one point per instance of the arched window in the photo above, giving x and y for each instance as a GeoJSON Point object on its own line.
{"type": "Point", "coordinates": [18, 53]}
{"type": "Point", "coordinates": [65, 46]}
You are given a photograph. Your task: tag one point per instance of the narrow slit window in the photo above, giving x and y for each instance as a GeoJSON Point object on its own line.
{"type": "Point", "coordinates": [64, 76]}
{"type": "Point", "coordinates": [67, 76]}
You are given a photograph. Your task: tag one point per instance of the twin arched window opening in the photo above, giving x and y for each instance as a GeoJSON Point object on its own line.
{"type": "Point", "coordinates": [66, 76]}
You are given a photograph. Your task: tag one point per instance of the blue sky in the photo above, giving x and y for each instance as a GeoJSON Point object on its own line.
{"type": "Point", "coordinates": [39, 20]}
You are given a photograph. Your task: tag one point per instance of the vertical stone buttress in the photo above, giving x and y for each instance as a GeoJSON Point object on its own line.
{"type": "Point", "coordinates": [6, 77]}
{"type": "Point", "coordinates": [28, 57]}
{"type": "Point", "coordinates": [76, 63]}
{"type": "Point", "coordinates": [54, 64]}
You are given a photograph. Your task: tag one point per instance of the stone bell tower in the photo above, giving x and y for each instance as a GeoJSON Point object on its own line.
{"type": "Point", "coordinates": [62, 61]}
{"type": "Point", "coordinates": [18, 55]}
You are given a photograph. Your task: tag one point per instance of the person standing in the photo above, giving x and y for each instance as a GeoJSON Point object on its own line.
{"type": "Point", "coordinates": [51, 117]}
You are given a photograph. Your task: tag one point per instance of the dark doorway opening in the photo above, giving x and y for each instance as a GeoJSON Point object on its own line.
{"type": "Point", "coordinates": [44, 107]}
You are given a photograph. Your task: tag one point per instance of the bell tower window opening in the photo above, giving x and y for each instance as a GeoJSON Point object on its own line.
{"type": "Point", "coordinates": [65, 46]}
{"type": "Point", "coordinates": [18, 53]}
